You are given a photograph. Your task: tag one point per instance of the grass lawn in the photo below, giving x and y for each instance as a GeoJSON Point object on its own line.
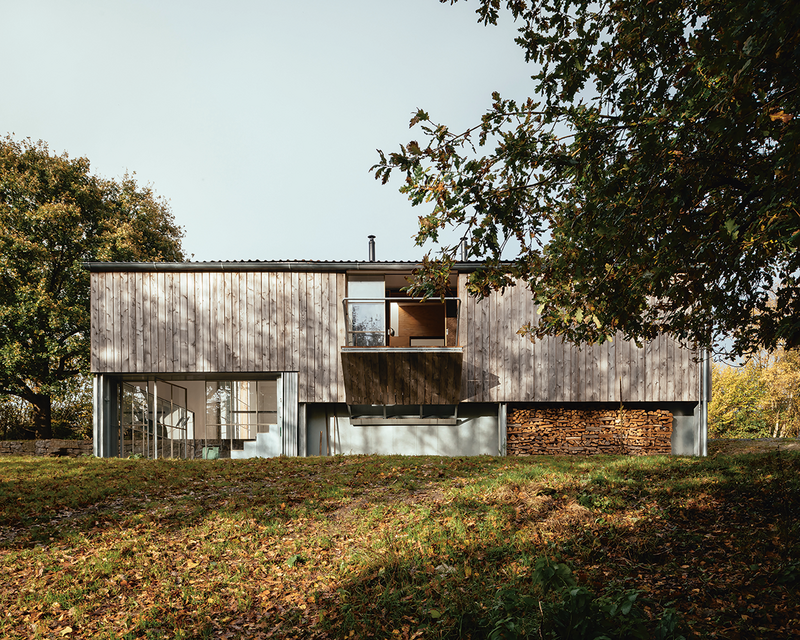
{"type": "Point", "coordinates": [399, 547]}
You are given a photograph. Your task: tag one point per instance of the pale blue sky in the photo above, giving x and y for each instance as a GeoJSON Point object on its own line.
{"type": "Point", "coordinates": [258, 121]}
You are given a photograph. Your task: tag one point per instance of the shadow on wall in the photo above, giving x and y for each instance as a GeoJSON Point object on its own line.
{"type": "Point", "coordinates": [476, 382]}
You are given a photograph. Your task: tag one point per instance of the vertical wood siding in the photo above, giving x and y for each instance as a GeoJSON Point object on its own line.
{"type": "Point", "coordinates": [201, 322]}
{"type": "Point", "coordinates": [208, 322]}
{"type": "Point", "coordinates": [501, 366]}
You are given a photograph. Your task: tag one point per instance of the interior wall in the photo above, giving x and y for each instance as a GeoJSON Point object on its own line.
{"type": "Point", "coordinates": [475, 434]}
{"type": "Point", "coordinates": [196, 401]}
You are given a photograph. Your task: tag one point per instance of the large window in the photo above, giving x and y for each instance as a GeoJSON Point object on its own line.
{"type": "Point", "coordinates": [241, 409]}
{"type": "Point", "coordinates": [378, 313]}
{"type": "Point", "coordinates": [174, 423]}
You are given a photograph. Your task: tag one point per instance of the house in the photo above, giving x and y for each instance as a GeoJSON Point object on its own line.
{"type": "Point", "coordinates": [304, 358]}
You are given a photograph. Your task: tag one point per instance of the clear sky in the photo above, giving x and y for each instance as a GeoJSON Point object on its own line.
{"type": "Point", "coordinates": [258, 121]}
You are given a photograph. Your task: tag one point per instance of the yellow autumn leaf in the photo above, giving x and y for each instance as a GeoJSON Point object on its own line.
{"type": "Point", "coordinates": [780, 115]}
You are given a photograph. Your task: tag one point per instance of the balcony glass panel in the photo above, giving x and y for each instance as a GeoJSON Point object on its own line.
{"type": "Point", "coordinates": [368, 324]}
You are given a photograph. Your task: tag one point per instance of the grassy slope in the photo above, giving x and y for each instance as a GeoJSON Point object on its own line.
{"type": "Point", "coordinates": [397, 547]}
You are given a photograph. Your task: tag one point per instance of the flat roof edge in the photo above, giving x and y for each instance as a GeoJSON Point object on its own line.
{"type": "Point", "coordinates": [288, 265]}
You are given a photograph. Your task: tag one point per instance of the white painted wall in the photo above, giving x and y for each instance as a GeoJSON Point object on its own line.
{"type": "Point", "coordinates": [475, 434]}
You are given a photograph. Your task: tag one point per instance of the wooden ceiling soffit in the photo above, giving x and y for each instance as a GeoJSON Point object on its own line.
{"type": "Point", "coordinates": [391, 376]}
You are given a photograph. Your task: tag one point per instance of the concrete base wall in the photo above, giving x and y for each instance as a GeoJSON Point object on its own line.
{"type": "Point", "coordinates": [474, 434]}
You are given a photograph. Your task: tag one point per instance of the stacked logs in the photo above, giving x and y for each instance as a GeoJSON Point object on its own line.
{"type": "Point", "coordinates": [588, 431]}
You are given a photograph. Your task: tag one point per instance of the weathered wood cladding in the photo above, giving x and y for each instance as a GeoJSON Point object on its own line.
{"type": "Point", "coordinates": [186, 321]}
{"type": "Point", "coordinates": [501, 366]}
{"type": "Point", "coordinates": [206, 322]}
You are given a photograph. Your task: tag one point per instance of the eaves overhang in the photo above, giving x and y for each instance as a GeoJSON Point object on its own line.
{"type": "Point", "coordinates": [304, 266]}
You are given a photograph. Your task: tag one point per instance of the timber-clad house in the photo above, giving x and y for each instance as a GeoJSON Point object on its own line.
{"type": "Point", "coordinates": [305, 358]}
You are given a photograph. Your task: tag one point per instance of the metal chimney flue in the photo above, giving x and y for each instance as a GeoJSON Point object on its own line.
{"type": "Point", "coordinates": [371, 248]}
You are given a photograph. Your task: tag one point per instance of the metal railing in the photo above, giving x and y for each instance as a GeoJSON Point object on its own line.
{"type": "Point", "coordinates": [373, 329]}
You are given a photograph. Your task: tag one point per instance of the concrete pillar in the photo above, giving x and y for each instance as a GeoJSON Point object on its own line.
{"type": "Point", "coordinates": [502, 414]}
{"type": "Point", "coordinates": [289, 413]}
{"type": "Point", "coordinates": [701, 413]}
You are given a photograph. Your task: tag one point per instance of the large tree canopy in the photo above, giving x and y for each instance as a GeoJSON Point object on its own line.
{"type": "Point", "coordinates": [54, 216]}
{"type": "Point", "coordinates": [651, 183]}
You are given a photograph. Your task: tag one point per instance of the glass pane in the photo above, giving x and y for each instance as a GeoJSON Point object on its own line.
{"type": "Point", "coordinates": [267, 405]}
{"type": "Point", "coordinates": [368, 340]}
{"type": "Point", "coordinates": [367, 317]}
{"type": "Point", "coordinates": [242, 408]}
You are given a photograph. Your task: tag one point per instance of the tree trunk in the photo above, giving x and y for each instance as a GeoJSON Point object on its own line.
{"type": "Point", "coordinates": [42, 416]}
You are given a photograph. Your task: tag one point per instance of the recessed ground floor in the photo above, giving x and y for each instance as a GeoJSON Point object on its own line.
{"type": "Point", "coordinates": [260, 415]}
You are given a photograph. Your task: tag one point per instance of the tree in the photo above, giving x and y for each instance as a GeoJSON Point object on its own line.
{"type": "Point", "coordinates": [651, 185]}
{"type": "Point", "coordinates": [71, 412]}
{"type": "Point", "coordinates": [54, 216]}
{"type": "Point", "coordinates": [759, 399]}
{"type": "Point", "coordinates": [781, 376]}
{"type": "Point", "coordinates": [736, 409]}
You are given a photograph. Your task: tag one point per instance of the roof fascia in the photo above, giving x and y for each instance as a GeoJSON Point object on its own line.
{"type": "Point", "coordinates": [306, 266]}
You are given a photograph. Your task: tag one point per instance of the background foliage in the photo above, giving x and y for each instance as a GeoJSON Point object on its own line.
{"type": "Point", "coordinates": [71, 413]}
{"type": "Point", "coordinates": [760, 399]}
{"type": "Point", "coordinates": [55, 215]}
{"type": "Point", "coordinates": [650, 184]}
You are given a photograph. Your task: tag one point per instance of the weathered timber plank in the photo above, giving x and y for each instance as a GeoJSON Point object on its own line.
{"type": "Point", "coordinates": [326, 334]}
{"type": "Point", "coordinates": [261, 314]}
{"type": "Point", "coordinates": [186, 323]}
{"type": "Point", "coordinates": [304, 359]}
{"type": "Point", "coordinates": [123, 283]}
{"type": "Point", "coordinates": [135, 311]}
{"type": "Point", "coordinates": [217, 283]}
{"type": "Point", "coordinates": [274, 336]}
{"type": "Point", "coordinates": [505, 343]}
{"type": "Point", "coordinates": [238, 333]}
{"type": "Point", "coordinates": [97, 323]}
{"type": "Point", "coordinates": [641, 368]}
{"type": "Point", "coordinates": [250, 323]}
{"type": "Point", "coordinates": [161, 321]}
{"type": "Point", "coordinates": [612, 388]}
{"type": "Point", "coordinates": [168, 328]}
{"type": "Point", "coordinates": [340, 327]}
{"type": "Point", "coordinates": [200, 323]}
{"type": "Point", "coordinates": [295, 277]}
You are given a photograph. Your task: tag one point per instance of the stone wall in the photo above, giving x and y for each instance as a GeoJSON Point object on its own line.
{"type": "Point", "coordinates": [560, 431]}
{"type": "Point", "coordinates": [72, 448]}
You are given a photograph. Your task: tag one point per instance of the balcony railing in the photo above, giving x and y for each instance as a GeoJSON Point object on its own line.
{"type": "Point", "coordinates": [369, 322]}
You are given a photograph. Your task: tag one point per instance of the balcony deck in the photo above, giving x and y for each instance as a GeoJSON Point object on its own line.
{"type": "Point", "coordinates": [402, 375]}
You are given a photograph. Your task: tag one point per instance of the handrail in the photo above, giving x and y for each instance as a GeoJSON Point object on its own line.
{"type": "Point", "coordinates": [348, 302]}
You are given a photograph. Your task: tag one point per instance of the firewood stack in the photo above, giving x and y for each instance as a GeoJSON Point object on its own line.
{"type": "Point", "coordinates": [588, 431]}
